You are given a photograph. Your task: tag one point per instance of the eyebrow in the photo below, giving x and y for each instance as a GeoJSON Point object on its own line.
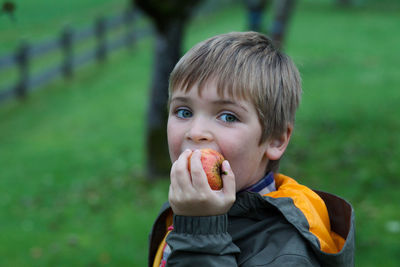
{"type": "Point", "coordinates": [229, 102]}
{"type": "Point", "coordinates": [216, 102]}
{"type": "Point", "coordinates": [180, 98]}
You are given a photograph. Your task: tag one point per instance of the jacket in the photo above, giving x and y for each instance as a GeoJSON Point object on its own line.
{"type": "Point", "coordinates": [292, 226]}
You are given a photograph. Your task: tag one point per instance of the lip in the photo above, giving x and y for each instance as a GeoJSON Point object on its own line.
{"type": "Point", "coordinates": [203, 147]}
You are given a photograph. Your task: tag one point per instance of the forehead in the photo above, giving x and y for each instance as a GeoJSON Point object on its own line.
{"type": "Point", "coordinates": [212, 88]}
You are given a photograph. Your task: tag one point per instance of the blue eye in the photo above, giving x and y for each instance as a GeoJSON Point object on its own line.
{"type": "Point", "coordinates": [183, 113]}
{"type": "Point", "coordinates": [226, 117]}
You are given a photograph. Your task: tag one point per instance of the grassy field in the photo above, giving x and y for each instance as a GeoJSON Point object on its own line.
{"type": "Point", "coordinates": [72, 189]}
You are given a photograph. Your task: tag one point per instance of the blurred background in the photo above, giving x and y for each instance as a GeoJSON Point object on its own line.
{"type": "Point", "coordinates": [83, 164]}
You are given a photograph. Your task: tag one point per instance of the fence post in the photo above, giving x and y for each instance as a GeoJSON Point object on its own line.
{"type": "Point", "coordinates": [66, 46]}
{"type": "Point", "coordinates": [22, 58]}
{"type": "Point", "coordinates": [128, 19]}
{"type": "Point", "coordinates": [100, 30]}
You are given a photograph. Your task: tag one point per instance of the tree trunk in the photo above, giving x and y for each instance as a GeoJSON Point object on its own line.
{"type": "Point", "coordinates": [283, 12]}
{"type": "Point", "coordinates": [167, 54]}
{"type": "Point", "coordinates": [255, 14]}
{"type": "Point", "coordinates": [344, 3]}
{"type": "Point", "coordinates": [169, 17]}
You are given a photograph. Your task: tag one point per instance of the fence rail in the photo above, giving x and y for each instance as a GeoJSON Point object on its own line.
{"type": "Point", "coordinates": [65, 43]}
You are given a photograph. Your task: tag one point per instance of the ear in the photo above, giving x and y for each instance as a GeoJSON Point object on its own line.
{"type": "Point", "coordinates": [276, 146]}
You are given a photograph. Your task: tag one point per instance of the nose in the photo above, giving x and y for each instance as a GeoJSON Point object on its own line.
{"type": "Point", "coordinates": [199, 131]}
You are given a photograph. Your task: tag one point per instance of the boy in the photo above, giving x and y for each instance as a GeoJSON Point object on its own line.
{"type": "Point", "coordinates": [235, 93]}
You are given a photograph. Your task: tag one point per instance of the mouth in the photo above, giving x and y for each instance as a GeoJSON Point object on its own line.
{"type": "Point", "coordinates": [203, 147]}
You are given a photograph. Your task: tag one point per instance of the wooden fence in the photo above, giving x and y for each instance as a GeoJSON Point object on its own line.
{"type": "Point", "coordinates": [23, 57]}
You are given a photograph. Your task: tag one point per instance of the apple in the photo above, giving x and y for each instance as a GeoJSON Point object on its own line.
{"type": "Point", "coordinates": [212, 165]}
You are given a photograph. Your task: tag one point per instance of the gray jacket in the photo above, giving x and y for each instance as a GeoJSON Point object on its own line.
{"type": "Point", "coordinates": [258, 231]}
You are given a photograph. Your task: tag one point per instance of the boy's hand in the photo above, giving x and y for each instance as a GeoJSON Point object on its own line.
{"type": "Point", "coordinates": [190, 193]}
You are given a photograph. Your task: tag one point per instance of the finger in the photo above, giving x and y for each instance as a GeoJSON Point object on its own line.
{"type": "Point", "coordinates": [180, 175]}
{"type": "Point", "coordinates": [199, 178]}
{"type": "Point", "coordinates": [228, 179]}
{"type": "Point", "coordinates": [171, 193]}
{"type": "Point", "coordinates": [173, 198]}
{"type": "Point", "coordinates": [174, 178]}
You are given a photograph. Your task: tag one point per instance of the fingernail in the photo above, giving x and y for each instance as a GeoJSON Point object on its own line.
{"type": "Point", "coordinates": [226, 166]}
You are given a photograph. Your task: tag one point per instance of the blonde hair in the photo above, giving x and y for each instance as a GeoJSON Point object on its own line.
{"type": "Point", "coordinates": [245, 65]}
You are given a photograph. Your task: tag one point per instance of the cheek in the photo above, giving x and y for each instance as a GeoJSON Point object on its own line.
{"type": "Point", "coordinates": [174, 140]}
{"type": "Point", "coordinates": [237, 144]}
{"type": "Point", "coordinates": [243, 152]}
{"type": "Point", "coordinates": [236, 150]}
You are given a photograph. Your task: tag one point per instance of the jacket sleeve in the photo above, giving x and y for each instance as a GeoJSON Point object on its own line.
{"type": "Point", "coordinates": [201, 241]}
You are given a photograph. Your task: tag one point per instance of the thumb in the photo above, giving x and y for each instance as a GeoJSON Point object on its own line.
{"type": "Point", "coordinates": [228, 179]}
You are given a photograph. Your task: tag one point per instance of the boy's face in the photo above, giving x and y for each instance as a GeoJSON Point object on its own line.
{"type": "Point", "coordinates": [228, 125]}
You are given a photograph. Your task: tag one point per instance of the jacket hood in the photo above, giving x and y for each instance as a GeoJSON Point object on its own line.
{"type": "Point", "coordinates": [325, 220]}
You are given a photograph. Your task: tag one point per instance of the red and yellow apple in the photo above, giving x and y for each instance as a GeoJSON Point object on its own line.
{"type": "Point", "coordinates": [211, 161]}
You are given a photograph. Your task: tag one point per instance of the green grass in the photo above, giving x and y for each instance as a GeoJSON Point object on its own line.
{"type": "Point", "coordinates": [37, 22]}
{"type": "Point", "coordinates": [72, 189]}
{"type": "Point", "coordinates": [346, 138]}
{"type": "Point", "coordinates": [40, 20]}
